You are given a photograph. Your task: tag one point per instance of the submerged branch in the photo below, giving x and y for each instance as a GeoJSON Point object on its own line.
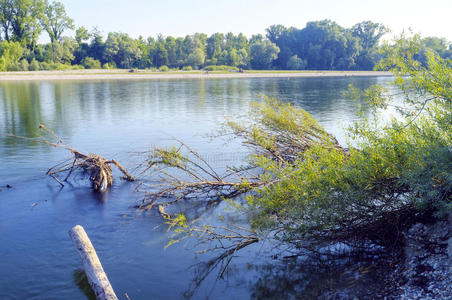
{"type": "Point", "coordinates": [97, 167]}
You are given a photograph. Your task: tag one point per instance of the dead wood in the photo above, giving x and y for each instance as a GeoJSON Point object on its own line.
{"type": "Point", "coordinates": [95, 166]}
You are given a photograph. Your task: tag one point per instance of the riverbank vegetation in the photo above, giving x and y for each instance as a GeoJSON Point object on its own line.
{"type": "Point", "coordinates": [321, 45]}
{"type": "Point", "coordinates": [302, 186]}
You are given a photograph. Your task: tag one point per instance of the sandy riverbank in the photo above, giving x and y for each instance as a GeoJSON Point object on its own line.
{"type": "Point", "coordinates": [125, 74]}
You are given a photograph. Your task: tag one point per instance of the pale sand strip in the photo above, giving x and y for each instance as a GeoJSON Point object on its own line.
{"type": "Point", "coordinates": [124, 74]}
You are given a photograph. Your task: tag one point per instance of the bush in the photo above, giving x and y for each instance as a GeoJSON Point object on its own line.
{"type": "Point", "coordinates": [77, 67]}
{"type": "Point", "coordinates": [395, 172]}
{"type": "Point", "coordinates": [91, 63]}
{"type": "Point", "coordinates": [10, 55]}
{"type": "Point", "coordinates": [295, 63]}
{"type": "Point", "coordinates": [220, 68]}
{"type": "Point", "coordinates": [34, 65]}
{"type": "Point", "coordinates": [109, 66]}
{"type": "Point", "coordinates": [23, 65]}
{"type": "Point", "coordinates": [44, 66]}
{"type": "Point", "coordinates": [164, 69]}
{"type": "Point", "coordinates": [13, 66]}
{"type": "Point", "coordinates": [187, 68]}
{"type": "Point", "coordinates": [58, 66]}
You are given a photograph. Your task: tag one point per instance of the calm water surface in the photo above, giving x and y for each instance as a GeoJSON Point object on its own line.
{"type": "Point", "coordinates": [117, 119]}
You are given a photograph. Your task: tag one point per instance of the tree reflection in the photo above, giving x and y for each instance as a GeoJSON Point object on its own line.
{"type": "Point", "coordinates": [361, 277]}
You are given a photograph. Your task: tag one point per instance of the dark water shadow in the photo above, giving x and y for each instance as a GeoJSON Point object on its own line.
{"type": "Point", "coordinates": [347, 275]}
{"type": "Point", "coordinates": [81, 281]}
{"type": "Point", "coordinates": [346, 278]}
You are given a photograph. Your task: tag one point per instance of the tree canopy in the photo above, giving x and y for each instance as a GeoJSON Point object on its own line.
{"type": "Point", "coordinates": [320, 45]}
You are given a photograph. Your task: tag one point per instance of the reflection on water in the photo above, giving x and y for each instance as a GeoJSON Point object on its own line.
{"type": "Point", "coordinates": [116, 119]}
{"type": "Point", "coordinates": [81, 280]}
{"type": "Point", "coordinates": [349, 278]}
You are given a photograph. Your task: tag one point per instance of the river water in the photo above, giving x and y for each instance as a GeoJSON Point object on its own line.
{"type": "Point", "coordinates": [120, 119]}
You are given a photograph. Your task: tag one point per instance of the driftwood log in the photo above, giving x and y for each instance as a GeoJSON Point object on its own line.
{"type": "Point", "coordinates": [93, 268]}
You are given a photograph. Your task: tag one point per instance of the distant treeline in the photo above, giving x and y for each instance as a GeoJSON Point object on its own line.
{"type": "Point", "coordinates": [321, 45]}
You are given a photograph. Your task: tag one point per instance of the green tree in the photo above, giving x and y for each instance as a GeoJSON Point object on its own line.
{"type": "Point", "coordinates": [275, 33]}
{"type": "Point", "coordinates": [6, 18]}
{"type": "Point", "coordinates": [91, 63]}
{"type": "Point", "coordinates": [10, 55]}
{"type": "Point", "coordinates": [214, 47]}
{"type": "Point", "coordinates": [369, 34]}
{"type": "Point", "coordinates": [96, 47]}
{"type": "Point", "coordinates": [55, 20]}
{"type": "Point", "coordinates": [296, 63]}
{"type": "Point", "coordinates": [20, 20]}
{"type": "Point", "coordinates": [82, 35]}
{"type": "Point", "coordinates": [172, 49]}
{"type": "Point", "coordinates": [196, 58]}
{"type": "Point", "coordinates": [438, 45]}
{"type": "Point", "coordinates": [122, 50]}
{"type": "Point", "coordinates": [61, 51]}
{"type": "Point", "coordinates": [160, 56]}
{"type": "Point", "coordinates": [326, 46]}
{"type": "Point", "coordinates": [263, 54]}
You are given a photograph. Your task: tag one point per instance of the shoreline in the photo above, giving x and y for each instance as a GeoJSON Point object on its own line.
{"type": "Point", "coordinates": [143, 75]}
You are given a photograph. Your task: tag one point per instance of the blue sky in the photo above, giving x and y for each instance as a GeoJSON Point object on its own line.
{"type": "Point", "coordinates": [179, 17]}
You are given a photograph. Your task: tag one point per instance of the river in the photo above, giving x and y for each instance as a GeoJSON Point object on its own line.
{"type": "Point", "coordinates": [121, 120]}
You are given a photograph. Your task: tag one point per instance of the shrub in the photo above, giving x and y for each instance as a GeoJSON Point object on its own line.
{"type": "Point", "coordinates": [164, 69]}
{"type": "Point", "coordinates": [44, 66]}
{"type": "Point", "coordinates": [13, 66]}
{"type": "Point", "coordinates": [295, 63]}
{"type": "Point", "coordinates": [34, 65]}
{"type": "Point", "coordinates": [109, 66]}
{"type": "Point", "coordinates": [220, 68]}
{"type": "Point", "coordinates": [10, 55]}
{"type": "Point", "coordinates": [187, 68]}
{"type": "Point", "coordinates": [23, 65]}
{"type": "Point", "coordinates": [91, 63]}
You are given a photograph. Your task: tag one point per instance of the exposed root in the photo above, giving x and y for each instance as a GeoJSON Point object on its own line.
{"type": "Point", "coordinates": [97, 167]}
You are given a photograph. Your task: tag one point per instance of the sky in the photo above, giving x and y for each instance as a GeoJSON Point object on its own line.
{"type": "Point", "coordinates": [182, 17]}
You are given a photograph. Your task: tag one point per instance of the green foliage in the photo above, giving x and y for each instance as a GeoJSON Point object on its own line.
{"type": "Point", "coordinates": [58, 66]}
{"type": "Point", "coordinates": [122, 50]}
{"type": "Point", "coordinates": [296, 63]}
{"type": "Point", "coordinates": [220, 68]}
{"type": "Point", "coordinates": [187, 68]}
{"type": "Point", "coordinates": [10, 55]}
{"type": "Point", "coordinates": [164, 69]}
{"type": "Point", "coordinates": [60, 51]}
{"type": "Point", "coordinates": [91, 63]}
{"type": "Point", "coordinates": [196, 58]}
{"type": "Point", "coordinates": [263, 54]}
{"type": "Point", "coordinates": [109, 66]}
{"type": "Point", "coordinates": [34, 65]}
{"type": "Point", "coordinates": [21, 20]}
{"type": "Point", "coordinates": [369, 34]}
{"type": "Point", "coordinates": [400, 167]}
{"type": "Point", "coordinates": [321, 45]}
{"type": "Point", "coordinates": [23, 65]}
{"type": "Point", "coordinates": [55, 20]}
{"type": "Point", "coordinates": [326, 45]}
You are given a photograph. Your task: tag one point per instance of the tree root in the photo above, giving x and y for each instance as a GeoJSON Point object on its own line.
{"type": "Point", "coordinates": [97, 167]}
